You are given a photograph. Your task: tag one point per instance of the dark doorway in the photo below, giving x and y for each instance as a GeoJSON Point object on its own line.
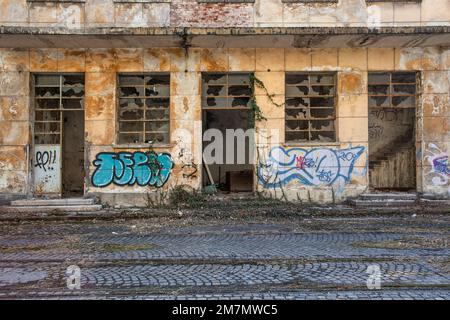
{"type": "Point", "coordinates": [226, 106]}
{"type": "Point", "coordinates": [392, 118]}
{"type": "Point", "coordinates": [73, 153]}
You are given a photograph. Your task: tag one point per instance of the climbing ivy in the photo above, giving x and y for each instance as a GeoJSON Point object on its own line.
{"type": "Point", "coordinates": [257, 114]}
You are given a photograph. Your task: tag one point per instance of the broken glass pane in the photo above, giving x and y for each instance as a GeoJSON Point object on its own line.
{"type": "Point", "coordinates": [404, 101]}
{"type": "Point", "coordinates": [239, 91]}
{"type": "Point", "coordinates": [47, 103]}
{"type": "Point", "coordinates": [403, 77]}
{"type": "Point", "coordinates": [72, 92]}
{"type": "Point", "coordinates": [322, 79]}
{"type": "Point", "coordinates": [211, 78]}
{"type": "Point", "coordinates": [404, 89]}
{"type": "Point", "coordinates": [322, 102]}
{"type": "Point", "coordinates": [296, 125]}
{"type": "Point", "coordinates": [162, 91]}
{"type": "Point", "coordinates": [157, 103]}
{"type": "Point", "coordinates": [76, 80]}
{"type": "Point", "coordinates": [157, 126]}
{"type": "Point", "coordinates": [297, 79]}
{"type": "Point", "coordinates": [377, 78]}
{"type": "Point", "coordinates": [162, 114]}
{"type": "Point", "coordinates": [322, 90]}
{"type": "Point", "coordinates": [157, 137]}
{"type": "Point", "coordinates": [47, 92]}
{"type": "Point", "coordinates": [240, 102]}
{"type": "Point", "coordinates": [131, 126]}
{"type": "Point", "coordinates": [132, 91]}
{"type": "Point", "coordinates": [299, 136]}
{"type": "Point", "coordinates": [379, 89]}
{"type": "Point", "coordinates": [131, 80]}
{"type": "Point", "coordinates": [297, 102]}
{"type": "Point", "coordinates": [297, 113]}
{"type": "Point", "coordinates": [47, 80]}
{"type": "Point", "coordinates": [131, 137]}
{"type": "Point", "coordinates": [215, 102]}
{"type": "Point", "coordinates": [297, 91]}
{"type": "Point", "coordinates": [131, 103]}
{"type": "Point", "coordinates": [322, 113]}
{"type": "Point", "coordinates": [323, 136]}
{"type": "Point", "coordinates": [238, 79]}
{"type": "Point", "coordinates": [322, 125]}
{"type": "Point", "coordinates": [162, 80]}
{"type": "Point", "coordinates": [379, 101]}
{"type": "Point", "coordinates": [215, 90]}
{"type": "Point", "coordinates": [131, 114]}
{"type": "Point", "coordinates": [73, 103]}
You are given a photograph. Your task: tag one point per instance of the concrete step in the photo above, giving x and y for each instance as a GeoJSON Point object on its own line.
{"type": "Point", "coordinates": [383, 203]}
{"type": "Point", "coordinates": [388, 196]}
{"type": "Point", "coordinates": [50, 209]}
{"type": "Point", "coordinates": [53, 202]}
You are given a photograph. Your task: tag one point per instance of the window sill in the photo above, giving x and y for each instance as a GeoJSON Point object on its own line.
{"type": "Point", "coordinates": [310, 144]}
{"type": "Point", "coordinates": [142, 146]}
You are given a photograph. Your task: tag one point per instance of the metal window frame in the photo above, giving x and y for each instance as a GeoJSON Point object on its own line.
{"type": "Point", "coordinates": [143, 119]}
{"type": "Point", "coordinates": [390, 84]}
{"type": "Point", "coordinates": [334, 96]}
{"type": "Point", "coordinates": [60, 99]}
{"type": "Point", "coordinates": [226, 85]}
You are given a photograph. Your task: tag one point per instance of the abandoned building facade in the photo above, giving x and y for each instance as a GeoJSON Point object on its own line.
{"type": "Point", "coordinates": [121, 100]}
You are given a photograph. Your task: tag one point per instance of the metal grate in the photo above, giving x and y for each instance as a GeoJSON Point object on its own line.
{"type": "Point", "coordinates": [393, 90]}
{"type": "Point", "coordinates": [54, 94]}
{"type": "Point", "coordinates": [226, 91]}
{"type": "Point", "coordinates": [144, 108]}
{"type": "Point", "coordinates": [310, 109]}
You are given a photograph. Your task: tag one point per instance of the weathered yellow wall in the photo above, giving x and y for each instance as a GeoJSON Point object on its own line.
{"type": "Point", "coordinates": [262, 13]}
{"type": "Point", "coordinates": [102, 65]}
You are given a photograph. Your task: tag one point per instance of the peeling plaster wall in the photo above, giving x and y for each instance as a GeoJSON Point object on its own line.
{"type": "Point", "coordinates": [352, 64]}
{"type": "Point", "coordinates": [190, 13]}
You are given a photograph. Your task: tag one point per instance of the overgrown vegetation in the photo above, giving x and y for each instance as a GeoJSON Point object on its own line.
{"type": "Point", "coordinates": [180, 197]}
{"type": "Point", "coordinates": [257, 114]}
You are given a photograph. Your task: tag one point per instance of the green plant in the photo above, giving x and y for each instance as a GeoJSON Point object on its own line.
{"type": "Point", "coordinates": [257, 114]}
{"type": "Point", "coordinates": [181, 197]}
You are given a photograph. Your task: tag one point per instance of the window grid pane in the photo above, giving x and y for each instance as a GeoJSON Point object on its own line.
{"type": "Point", "coordinates": [143, 113]}
{"type": "Point", "coordinates": [310, 110]}
{"type": "Point", "coordinates": [224, 91]}
{"type": "Point", "coordinates": [53, 94]}
{"type": "Point", "coordinates": [394, 90]}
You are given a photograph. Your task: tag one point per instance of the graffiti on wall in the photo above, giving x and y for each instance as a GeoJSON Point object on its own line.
{"type": "Point", "coordinates": [129, 168]}
{"type": "Point", "coordinates": [47, 173]}
{"type": "Point", "coordinates": [315, 167]}
{"type": "Point", "coordinates": [440, 166]}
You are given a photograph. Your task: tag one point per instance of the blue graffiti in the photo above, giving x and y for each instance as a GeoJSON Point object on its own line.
{"type": "Point", "coordinates": [315, 167]}
{"type": "Point", "coordinates": [441, 165]}
{"type": "Point", "coordinates": [126, 168]}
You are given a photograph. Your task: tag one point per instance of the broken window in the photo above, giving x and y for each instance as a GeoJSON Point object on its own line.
{"type": "Point", "coordinates": [143, 112]}
{"type": "Point", "coordinates": [310, 107]}
{"type": "Point", "coordinates": [392, 89]}
{"type": "Point", "coordinates": [226, 91]}
{"type": "Point", "coordinates": [53, 94]}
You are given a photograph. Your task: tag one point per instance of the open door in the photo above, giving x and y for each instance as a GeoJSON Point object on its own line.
{"type": "Point", "coordinates": [392, 118]}
{"type": "Point", "coordinates": [58, 154]}
{"type": "Point", "coordinates": [227, 116]}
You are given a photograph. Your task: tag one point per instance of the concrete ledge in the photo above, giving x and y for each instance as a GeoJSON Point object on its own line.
{"type": "Point", "coordinates": [258, 37]}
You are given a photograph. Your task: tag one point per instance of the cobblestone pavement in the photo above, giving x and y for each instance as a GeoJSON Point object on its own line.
{"type": "Point", "coordinates": [308, 258]}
